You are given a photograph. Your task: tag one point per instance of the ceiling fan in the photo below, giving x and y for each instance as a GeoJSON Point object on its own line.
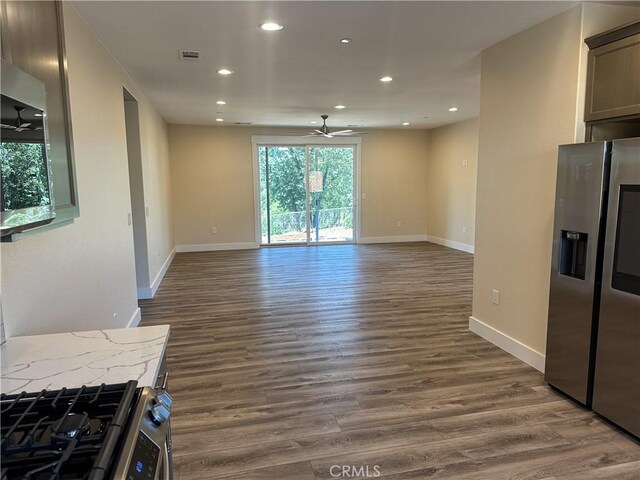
{"type": "Point", "coordinates": [20, 125]}
{"type": "Point", "coordinates": [325, 132]}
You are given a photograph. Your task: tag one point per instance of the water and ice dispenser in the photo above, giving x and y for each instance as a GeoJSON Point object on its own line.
{"type": "Point", "coordinates": [573, 254]}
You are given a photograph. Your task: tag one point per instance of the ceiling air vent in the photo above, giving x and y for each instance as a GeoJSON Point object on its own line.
{"type": "Point", "coordinates": [243, 123]}
{"type": "Point", "coordinates": [189, 54]}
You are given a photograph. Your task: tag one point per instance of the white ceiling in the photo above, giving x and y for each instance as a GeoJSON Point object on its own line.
{"type": "Point", "coordinates": [290, 77]}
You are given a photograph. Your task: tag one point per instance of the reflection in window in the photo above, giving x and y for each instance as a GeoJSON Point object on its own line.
{"type": "Point", "coordinates": [24, 175]}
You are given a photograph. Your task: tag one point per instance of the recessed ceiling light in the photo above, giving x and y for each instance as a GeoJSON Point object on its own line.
{"type": "Point", "coordinates": [340, 107]}
{"type": "Point", "coordinates": [386, 79]}
{"type": "Point", "coordinates": [219, 119]}
{"type": "Point", "coordinates": [221, 102]}
{"type": "Point", "coordinates": [225, 71]}
{"type": "Point", "coordinates": [453, 109]}
{"type": "Point", "coordinates": [406, 123]}
{"type": "Point", "coordinates": [271, 26]}
{"type": "Point", "coordinates": [345, 40]}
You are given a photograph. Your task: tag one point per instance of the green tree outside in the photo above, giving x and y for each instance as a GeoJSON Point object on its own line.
{"type": "Point", "coordinates": [331, 206]}
{"type": "Point", "coordinates": [24, 175]}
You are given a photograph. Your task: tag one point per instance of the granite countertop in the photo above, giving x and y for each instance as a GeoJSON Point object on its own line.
{"type": "Point", "coordinates": [37, 362]}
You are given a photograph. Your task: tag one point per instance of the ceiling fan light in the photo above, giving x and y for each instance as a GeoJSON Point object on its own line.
{"type": "Point", "coordinates": [324, 131]}
{"type": "Point", "coordinates": [225, 71]}
{"type": "Point", "coordinates": [219, 119]}
{"type": "Point", "coordinates": [386, 79]}
{"type": "Point", "coordinates": [453, 109]}
{"type": "Point", "coordinates": [406, 124]}
{"type": "Point", "coordinates": [221, 102]}
{"type": "Point", "coordinates": [345, 40]}
{"type": "Point", "coordinates": [340, 107]}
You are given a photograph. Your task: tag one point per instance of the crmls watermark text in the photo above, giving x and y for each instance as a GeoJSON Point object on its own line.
{"type": "Point", "coordinates": [355, 471]}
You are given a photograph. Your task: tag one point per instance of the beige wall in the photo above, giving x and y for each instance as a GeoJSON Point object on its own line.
{"type": "Point", "coordinates": [529, 105]}
{"type": "Point", "coordinates": [78, 276]}
{"type": "Point", "coordinates": [154, 137]}
{"type": "Point", "coordinates": [451, 182]}
{"type": "Point", "coordinates": [393, 173]}
{"type": "Point", "coordinates": [212, 181]}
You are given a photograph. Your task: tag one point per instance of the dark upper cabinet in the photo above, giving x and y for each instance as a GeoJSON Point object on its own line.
{"type": "Point", "coordinates": [613, 79]}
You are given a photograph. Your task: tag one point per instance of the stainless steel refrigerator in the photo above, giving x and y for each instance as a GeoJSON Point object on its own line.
{"type": "Point", "coordinates": [593, 336]}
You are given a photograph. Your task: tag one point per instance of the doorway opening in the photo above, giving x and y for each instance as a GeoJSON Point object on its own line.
{"type": "Point", "coordinates": [137, 218]}
{"type": "Point", "coordinates": [307, 193]}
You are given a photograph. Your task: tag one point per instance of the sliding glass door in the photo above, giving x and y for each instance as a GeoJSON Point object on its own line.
{"type": "Point", "coordinates": [283, 194]}
{"type": "Point", "coordinates": [331, 194]}
{"type": "Point", "coordinates": [306, 194]}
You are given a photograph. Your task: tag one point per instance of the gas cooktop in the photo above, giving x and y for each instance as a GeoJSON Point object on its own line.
{"type": "Point", "coordinates": [64, 434]}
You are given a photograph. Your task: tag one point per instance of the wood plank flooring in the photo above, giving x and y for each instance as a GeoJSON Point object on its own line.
{"type": "Point", "coordinates": [285, 362]}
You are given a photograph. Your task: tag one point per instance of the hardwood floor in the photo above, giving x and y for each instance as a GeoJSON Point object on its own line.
{"type": "Point", "coordinates": [285, 362]}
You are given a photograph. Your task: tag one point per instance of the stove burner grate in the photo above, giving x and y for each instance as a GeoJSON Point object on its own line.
{"type": "Point", "coordinates": [64, 434]}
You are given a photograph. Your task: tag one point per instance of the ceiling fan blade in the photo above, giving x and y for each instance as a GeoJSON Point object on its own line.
{"type": "Point", "coordinates": [341, 132]}
{"type": "Point", "coordinates": [318, 131]}
{"type": "Point", "coordinates": [24, 124]}
{"type": "Point", "coordinates": [310, 135]}
{"type": "Point", "coordinates": [4, 125]}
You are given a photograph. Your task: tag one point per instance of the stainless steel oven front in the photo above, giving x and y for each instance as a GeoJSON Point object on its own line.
{"type": "Point", "coordinates": [146, 450]}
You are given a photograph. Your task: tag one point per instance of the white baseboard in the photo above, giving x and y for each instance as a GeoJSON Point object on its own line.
{"type": "Point", "coordinates": [451, 244]}
{"type": "Point", "coordinates": [398, 239]}
{"type": "Point", "coordinates": [213, 247]}
{"type": "Point", "coordinates": [149, 292]}
{"type": "Point", "coordinates": [135, 319]}
{"type": "Point", "coordinates": [508, 344]}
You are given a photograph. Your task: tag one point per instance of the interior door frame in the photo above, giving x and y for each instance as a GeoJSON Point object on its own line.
{"type": "Point", "coordinates": [258, 141]}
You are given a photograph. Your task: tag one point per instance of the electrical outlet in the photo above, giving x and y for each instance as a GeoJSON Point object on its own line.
{"type": "Point", "coordinates": [214, 230]}
{"type": "Point", "coordinates": [495, 297]}
{"type": "Point", "coordinates": [465, 162]}
{"type": "Point", "coordinates": [464, 229]}
{"type": "Point", "coordinates": [364, 196]}
{"type": "Point", "coordinates": [398, 224]}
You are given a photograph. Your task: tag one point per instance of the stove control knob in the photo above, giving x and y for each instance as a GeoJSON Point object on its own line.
{"type": "Point", "coordinates": [160, 414]}
{"type": "Point", "coordinates": [165, 398]}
